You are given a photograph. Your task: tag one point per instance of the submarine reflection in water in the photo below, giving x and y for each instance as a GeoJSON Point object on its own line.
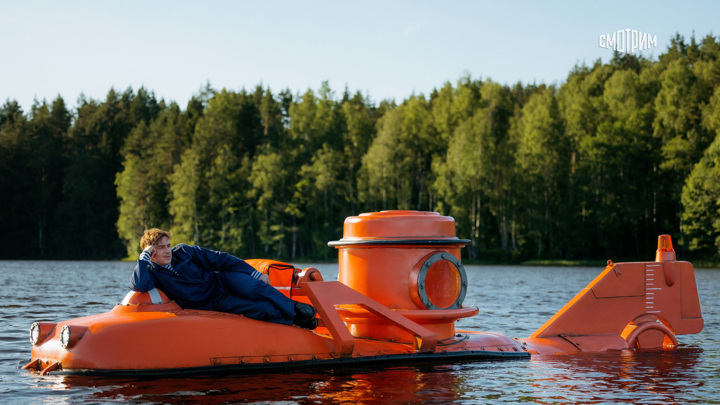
{"type": "Point", "coordinates": [401, 287]}
{"type": "Point", "coordinates": [626, 376]}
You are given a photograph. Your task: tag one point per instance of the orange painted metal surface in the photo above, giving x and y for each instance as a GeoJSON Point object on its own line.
{"type": "Point", "coordinates": [400, 291]}
{"type": "Point", "coordinates": [629, 305]}
{"type": "Point", "coordinates": [408, 261]}
{"type": "Point", "coordinates": [281, 275]}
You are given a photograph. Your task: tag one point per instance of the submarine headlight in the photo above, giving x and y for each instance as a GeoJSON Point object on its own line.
{"type": "Point", "coordinates": [34, 333]}
{"type": "Point", "coordinates": [39, 331]}
{"type": "Point", "coordinates": [70, 334]}
{"type": "Point", "coordinates": [65, 336]}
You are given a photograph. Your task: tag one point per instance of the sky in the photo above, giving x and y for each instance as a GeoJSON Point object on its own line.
{"type": "Point", "coordinates": [383, 49]}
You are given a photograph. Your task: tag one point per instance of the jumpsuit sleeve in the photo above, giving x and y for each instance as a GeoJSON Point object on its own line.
{"type": "Point", "coordinates": [142, 280]}
{"type": "Point", "coordinates": [220, 261]}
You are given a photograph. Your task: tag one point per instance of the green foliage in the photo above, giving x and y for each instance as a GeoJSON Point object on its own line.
{"type": "Point", "coordinates": [381, 166]}
{"type": "Point", "coordinates": [474, 177]}
{"type": "Point", "coordinates": [542, 158]}
{"type": "Point", "coordinates": [185, 202]}
{"type": "Point", "coordinates": [143, 186]}
{"type": "Point", "coordinates": [701, 202]}
{"type": "Point", "coordinates": [90, 205]}
{"type": "Point", "coordinates": [593, 168]}
{"type": "Point", "coordinates": [701, 193]}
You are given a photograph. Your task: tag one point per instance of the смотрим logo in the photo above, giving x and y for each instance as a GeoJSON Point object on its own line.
{"type": "Point", "coordinates": [627, 41]}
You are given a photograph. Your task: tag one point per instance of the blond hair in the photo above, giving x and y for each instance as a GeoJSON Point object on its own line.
{"type": "Point", "coordinates": [152, 236]}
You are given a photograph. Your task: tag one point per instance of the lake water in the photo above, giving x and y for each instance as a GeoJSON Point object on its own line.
{"type": "Point", "coordinates": [512, 300]}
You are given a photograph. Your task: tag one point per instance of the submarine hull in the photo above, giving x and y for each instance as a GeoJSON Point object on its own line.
{"type": "Point", "coordinates": [178, 341]}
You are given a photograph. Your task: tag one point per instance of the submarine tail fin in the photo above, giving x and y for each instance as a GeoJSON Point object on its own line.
{"type": "Point", "coordinates": [639, 304]}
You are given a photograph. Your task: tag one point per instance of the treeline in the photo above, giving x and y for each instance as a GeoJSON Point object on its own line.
{"type": "Point", "coordinates": [593, 169]}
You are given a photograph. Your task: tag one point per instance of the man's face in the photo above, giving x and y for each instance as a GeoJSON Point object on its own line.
{"type": "Point", "coordinates": [163, 254]}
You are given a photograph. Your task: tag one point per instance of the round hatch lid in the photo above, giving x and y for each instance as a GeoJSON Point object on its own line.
{"type": "Point", "coordinates": [399, 227]}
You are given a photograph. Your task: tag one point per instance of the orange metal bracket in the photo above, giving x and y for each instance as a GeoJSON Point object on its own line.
{"type": "Point", "coordinates": [325, 295]}
{"type": "Point", "coordinates": [52, 367]}
{"type": "Point", "coordinates": [34, 364]}
{"type": "Point", "coordinates": [633, 337]}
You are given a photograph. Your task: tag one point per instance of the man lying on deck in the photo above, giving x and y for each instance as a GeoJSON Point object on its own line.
{"type": "Point", "coordinates": [199, 278]}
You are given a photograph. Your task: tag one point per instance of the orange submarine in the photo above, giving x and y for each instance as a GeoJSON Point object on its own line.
{"type": "Point", "coordinates": [400, 290]}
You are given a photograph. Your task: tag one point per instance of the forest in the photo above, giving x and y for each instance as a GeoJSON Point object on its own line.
{"type": "Point", "coordinates": [593, 168]}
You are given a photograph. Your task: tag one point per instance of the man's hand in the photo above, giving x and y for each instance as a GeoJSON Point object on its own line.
{"type": "Point", "coordinates": [148, 253]}
{"type": "Point", "coordinates": [264, 278]}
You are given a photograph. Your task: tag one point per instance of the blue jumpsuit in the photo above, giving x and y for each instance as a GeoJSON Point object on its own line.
{"type": "Point", "coordinates": [215, 281]}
